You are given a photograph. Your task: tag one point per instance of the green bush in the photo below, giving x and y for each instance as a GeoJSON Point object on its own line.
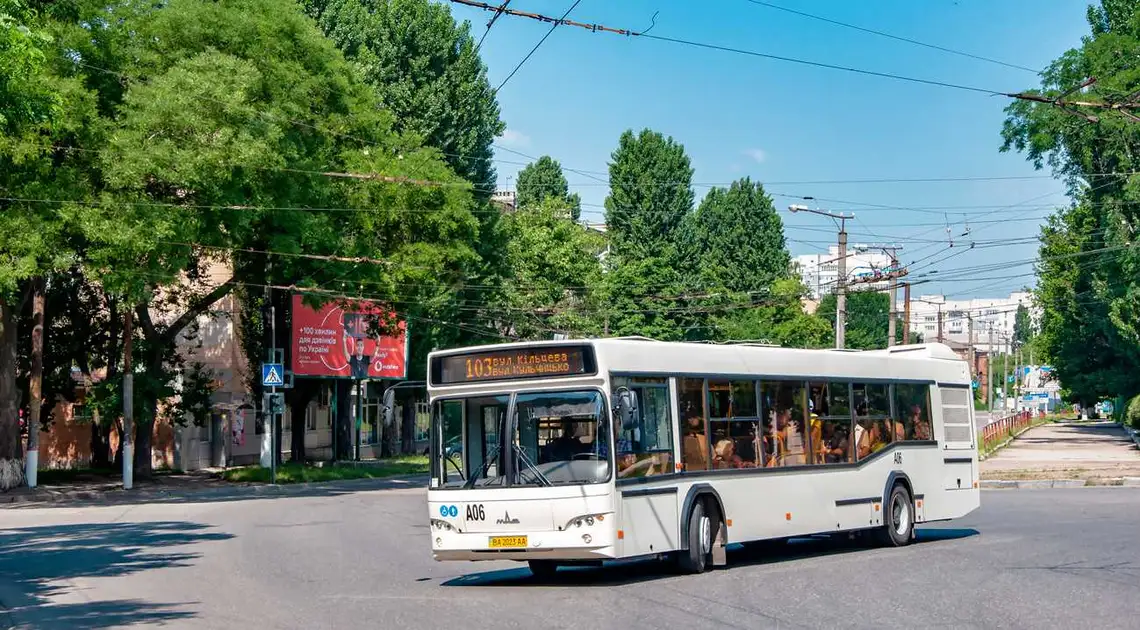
{"type": "Point", "coordinates": [1132, 415]}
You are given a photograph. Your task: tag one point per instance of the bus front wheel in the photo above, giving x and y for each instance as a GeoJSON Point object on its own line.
{"type": "Point", "coordinates": [898, 528]}
{"type": "Point", "coordinates": [696, 558]}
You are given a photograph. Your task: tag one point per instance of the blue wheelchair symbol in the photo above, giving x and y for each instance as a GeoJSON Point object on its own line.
{"type": "Point", "coordinates": [448, 510]}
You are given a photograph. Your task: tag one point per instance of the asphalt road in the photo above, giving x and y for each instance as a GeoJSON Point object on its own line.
{"type": "Point", "coordinates": [1027, 559]}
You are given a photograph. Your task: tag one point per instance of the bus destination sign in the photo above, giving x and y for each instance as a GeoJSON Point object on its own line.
{"type": "Point", "coordinates": [503, 365]}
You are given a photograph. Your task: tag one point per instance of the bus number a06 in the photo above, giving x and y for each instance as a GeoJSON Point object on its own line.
{"type": "Point", "coordinates": [475, 512]}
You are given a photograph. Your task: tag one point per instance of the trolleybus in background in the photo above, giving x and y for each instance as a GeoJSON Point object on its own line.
{"type": "Point", "coordinates": [583, 451]}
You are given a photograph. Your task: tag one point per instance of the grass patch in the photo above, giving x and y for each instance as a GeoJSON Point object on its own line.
{"type": "Point", "coordinates": [301, 473]}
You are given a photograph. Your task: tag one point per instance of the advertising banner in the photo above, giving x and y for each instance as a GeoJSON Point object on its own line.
{"type": "Point", "coordinates": [336, 341]}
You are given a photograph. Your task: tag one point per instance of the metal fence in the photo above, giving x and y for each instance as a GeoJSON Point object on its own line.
{"type": "Point", "coordinates": [1007, 425]}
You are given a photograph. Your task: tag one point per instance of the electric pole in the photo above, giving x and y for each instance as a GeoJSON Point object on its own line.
{"type": "Point", "coordinates": [970, 344]}
{"type": "Point", "coordinates": [990, 367]}
{"type": "Point", "coordinates": [35, 385]}
{"type": "Point", "coordinates": [841, 281]}
{"type": "Point", "coordinates": [127, 438]}
{"type": "Point", "coordinates": [906, 314]}
{"type": "Point", "coordinates": [939, 322]}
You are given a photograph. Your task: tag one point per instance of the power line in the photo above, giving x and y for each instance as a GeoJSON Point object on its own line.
{"type": "Point", "coordinates": [491, 23]}
{"type": "Point", "coordinates": [890, 36]}
{"type": "Point", "coordinates": [740, 51]}
{"type": "Point", "coordinates": [503, 8]}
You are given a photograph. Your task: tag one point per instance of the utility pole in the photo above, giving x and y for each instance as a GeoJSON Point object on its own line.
{"type": "Point", "coordinates": [990, 367]}
{"type": "Point", "coordinates": [127, 438]}
{"type": "Point", "coordinates": [970, 344]}
{"type": "Point", "coordinates": [906, 313]}
{"type": "Point", "coordinates": [35, 386]}
{"type": "Point", "coordinates": [1004, 379]}
{"type": "Point", "coordinates": [939, 322]}
{"type": "Point", "coordinates": [841, 281]}
{"type": "Point", "coordinates": [894, 285]}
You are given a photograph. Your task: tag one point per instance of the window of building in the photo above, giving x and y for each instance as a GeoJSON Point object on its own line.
{"type": "Point", "coordinates": [784, 433]}
{"type": "Point", "coordinates": [311, 413]}
{"type": "Point", "coordinates": [651, 437]}
{"type": "Point", "coordinates": [734, 421]}
{"type": "Point", "coordinates": [830, 408]}
{"type": "Point", "coordinates": [873, 427]}
{"type": "Point", "coordinates": [912, 409]}
{"type": "Point", "coordinates": [695, 451]}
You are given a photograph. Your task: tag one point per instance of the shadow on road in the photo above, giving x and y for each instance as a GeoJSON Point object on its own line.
{"type": "Point", "coordinates": [632, 572]}
{"type": "Point", "coordinates": [222, 493]}
{"type": "Point", "coordinates": [37, 564]}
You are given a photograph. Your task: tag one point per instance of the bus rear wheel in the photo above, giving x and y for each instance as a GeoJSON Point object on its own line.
{"type": "Point", "coordinates": [543, 569]}
{"type": "Point", "coordinates": [898, 528]}
{"type": "Point", "coordinates": [698, 556]}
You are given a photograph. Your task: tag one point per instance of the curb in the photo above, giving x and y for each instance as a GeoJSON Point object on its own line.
{"type": "Point", "coordinates": [1024, 484]}
{"type": "Point", "coordinates": [215, 492]}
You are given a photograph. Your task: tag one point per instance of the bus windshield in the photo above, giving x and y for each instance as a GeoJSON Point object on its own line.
{"type": "Point", "coordinates": [555, 438]}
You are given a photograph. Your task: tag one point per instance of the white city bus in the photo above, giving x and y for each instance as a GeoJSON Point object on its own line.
{"type": "Point", "coordinates": [572, 452]}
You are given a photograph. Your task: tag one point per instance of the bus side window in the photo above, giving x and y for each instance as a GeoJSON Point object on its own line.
{"type": "Point", "coordinates": [912, 405]}
{"type": "Point", "coordinates": [831, 413]}
{"type": "Point", "coordinates": [785, 430]}
{"type": "Point", "coordinates": [695, 451]}
{"type": "Point", "coordinates": [652, 438]}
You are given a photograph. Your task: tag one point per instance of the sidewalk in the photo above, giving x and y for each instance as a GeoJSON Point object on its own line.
{"type": "Point", "coordinates": [1093, 452]}
{"type": "Point", "coordinates": [190, 487]}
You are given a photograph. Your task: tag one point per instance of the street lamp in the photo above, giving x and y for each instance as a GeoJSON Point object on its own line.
{"type": "Point", "coordinates": [841, 282]}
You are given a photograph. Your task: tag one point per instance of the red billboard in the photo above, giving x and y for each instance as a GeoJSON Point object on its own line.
{"type": "Point", "coordinates": [339, 341]}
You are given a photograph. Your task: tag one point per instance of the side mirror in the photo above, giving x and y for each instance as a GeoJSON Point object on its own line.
{"type": "Point", "coordinates": [627, 409]}
{"type": "Point", "coordinates": [389, 406]}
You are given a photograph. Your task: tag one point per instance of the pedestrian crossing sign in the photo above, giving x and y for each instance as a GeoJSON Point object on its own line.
{"type": "Point", "coordinates": [272, 375]}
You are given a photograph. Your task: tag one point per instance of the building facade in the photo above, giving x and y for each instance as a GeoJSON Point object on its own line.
{"type": "Point", "coordinates": [969, 321]}
{"type": "Point", "coordinates": [820, 272]}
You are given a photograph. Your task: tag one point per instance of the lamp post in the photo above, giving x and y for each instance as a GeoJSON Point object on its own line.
{"type": "Point", "coordinates": [841, 281]}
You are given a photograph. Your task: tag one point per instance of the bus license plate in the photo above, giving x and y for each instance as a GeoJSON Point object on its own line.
{"type": "Point", "coordinates": [508, 542]}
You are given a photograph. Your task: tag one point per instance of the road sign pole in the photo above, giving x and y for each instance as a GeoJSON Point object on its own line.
{"type": "Point", "coordinates": [273, 391]}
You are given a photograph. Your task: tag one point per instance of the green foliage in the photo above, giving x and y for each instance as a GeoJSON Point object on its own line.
{"type": "Point", "coordinates": [779, 319]}
{"type": "Point", "coordinates": [557, 273]}
{"type": "Point", "coordinates": [543, 179]}
{"type": "Point", "coordinates": [300, 473]}
{"type": "Point", "coordinates": [1132, 414]}
{"type": "Point", "coordinates": [424, 69]}
{"type": "Point", "coordinates": [736, 239]}
{"type": "Point", "coordinates": [868, 318]}
{"type": "Point", "coordinates": [1089, 277]}
{"type": "Point", "coordinates": [650, 196]}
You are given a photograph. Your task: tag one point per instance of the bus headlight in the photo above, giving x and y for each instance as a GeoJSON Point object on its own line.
{"type": "Point", "coordinates": [588, 520]}
{"type": "Point", "coordinates": [442, 525]}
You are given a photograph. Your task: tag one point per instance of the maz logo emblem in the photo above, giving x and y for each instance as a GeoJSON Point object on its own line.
{"type": "Point", "coordinates": [507, 520]}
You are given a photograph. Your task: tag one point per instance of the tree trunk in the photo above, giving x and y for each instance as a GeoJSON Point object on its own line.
{"type": "Point", "coordinates": [303, 392]}
{"type": "Point", "coordinates": [100, 447]}
{"type": "Point", "coordinates": [343, 426]}
{"type": "Point", "coordinates": [408, 427]}
{"type": "Point", "coordinates": [145, 415]}
{"type": "Point", "coordinates": [11, 457]}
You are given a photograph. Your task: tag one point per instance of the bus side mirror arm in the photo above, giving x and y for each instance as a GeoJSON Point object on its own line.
{"type": "Point", "coordinates": [626, 408]}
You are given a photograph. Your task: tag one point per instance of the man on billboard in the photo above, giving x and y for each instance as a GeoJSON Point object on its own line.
{"type": "Point", "coordinates": [355, 335]}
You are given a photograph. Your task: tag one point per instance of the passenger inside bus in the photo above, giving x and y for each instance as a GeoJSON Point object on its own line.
{"type": "Point", "coordinates": [696, 444]}
{"type": "Point", "coordinates": [726, 456]}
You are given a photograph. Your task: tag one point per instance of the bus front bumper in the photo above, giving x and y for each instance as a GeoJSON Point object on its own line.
{"type": "Point", "coordinates": [581, 544]}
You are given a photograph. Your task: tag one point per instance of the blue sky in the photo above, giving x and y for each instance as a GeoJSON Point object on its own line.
{"type": "Point", "coordinates": [780, 122]}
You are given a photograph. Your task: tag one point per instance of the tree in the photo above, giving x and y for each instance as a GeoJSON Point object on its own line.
{"type": "Point", "coordinates": [868, 316]}
{"type": "Point", "coordinates": [736, 239]}
{"type": "Point", "coordinates": [557, 273]}
{"type": "Point", "coordinates": [38, 107]}
{"type": "Point", "coordinates": [650, 196]}
{"type": "Point", "coordinates": [426, 71]}
{"type": "Point", "coordinates": [1022, 326]}
{"type": "Point", "coordinates": [543, 179]}
{"type": "Point", "coordinates": [1093, 304]}
{"type": "Point", "coordinates": [779, 318]}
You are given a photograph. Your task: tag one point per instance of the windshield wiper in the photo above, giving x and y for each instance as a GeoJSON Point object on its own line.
{"type": "Point", "coordinates": [482, 472]}
{"type": "Point", "coordinates": [526, 460]}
